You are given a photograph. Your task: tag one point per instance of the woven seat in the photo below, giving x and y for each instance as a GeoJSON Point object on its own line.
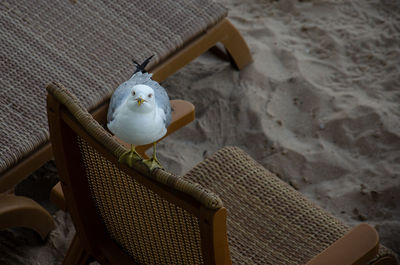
{"type": "Point", "coordinates": [90, 46]}
{"type": "Point", "coordinates": [129, 215]}
{"type": "Point", "coordinates": [274, 224]}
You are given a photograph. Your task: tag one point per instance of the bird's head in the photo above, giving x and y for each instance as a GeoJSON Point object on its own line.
{"type": "Point", "coordinates": [142, 98]}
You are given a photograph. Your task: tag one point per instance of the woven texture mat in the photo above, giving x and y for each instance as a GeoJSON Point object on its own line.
{"type": "Point", "coordinates": [268, 221]}
{"type": "Point", "coordinates": [89, 47]}
{"type": "Point", "coordinates": [150, 229]}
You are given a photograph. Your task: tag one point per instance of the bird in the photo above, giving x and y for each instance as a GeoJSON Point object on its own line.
{"type": "Point", "coordinates": [139, 113]}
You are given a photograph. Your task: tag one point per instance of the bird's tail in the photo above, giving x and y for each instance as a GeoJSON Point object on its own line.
{"type": "Point", "coordinates": [140, 67]}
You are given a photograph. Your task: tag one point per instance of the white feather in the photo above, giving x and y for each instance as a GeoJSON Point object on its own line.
{"type": "Point", "coordinates": [139, 124]}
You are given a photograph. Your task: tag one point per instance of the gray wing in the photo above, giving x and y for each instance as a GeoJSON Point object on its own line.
{"type": "Point", "coordinates": [118, 97]}
{"type": "Point", "coordinates": [162, 100]}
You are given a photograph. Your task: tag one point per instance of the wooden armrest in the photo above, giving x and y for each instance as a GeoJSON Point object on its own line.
{"type": "Point", "coordinates": [356, 247]}
{"type": "Point", "coordinates": [182, 114]}
{"type": "Point", "coordinates": [18, 211]}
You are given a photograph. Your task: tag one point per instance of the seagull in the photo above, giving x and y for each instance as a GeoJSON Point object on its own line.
{"type": "Point", "coordinates": [139, 113]}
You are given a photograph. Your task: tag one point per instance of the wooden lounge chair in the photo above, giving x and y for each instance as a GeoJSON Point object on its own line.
{"type": "Point", "coordinates": [228, 209]}
{"type": "Point", "coordinates": [90, 46]}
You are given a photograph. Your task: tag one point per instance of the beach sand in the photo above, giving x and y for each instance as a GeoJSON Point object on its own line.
{"type": "Point", "coordinates": [319, 107]}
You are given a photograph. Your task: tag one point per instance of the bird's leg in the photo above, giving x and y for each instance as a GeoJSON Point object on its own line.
{"type": "Point", "coordinates": [153, 162]}
{"type": "Point", "coordinates": [154, 156]}
{"type": "Point", "coordinates": [133, 149]}
{"type": "Point", "coordinates": [130, 157]}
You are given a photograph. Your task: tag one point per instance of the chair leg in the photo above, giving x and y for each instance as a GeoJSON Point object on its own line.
{"type": "Point", "coordinates": [57, 197]}
{"type": "Point", "coordinates": [236, 46]}
{"type": "Point", "coordinates": [223, 32]}
{"type": "Point", "coordinates": [18, 211]}
{"type": "Point", "coordinates": [76, 254]}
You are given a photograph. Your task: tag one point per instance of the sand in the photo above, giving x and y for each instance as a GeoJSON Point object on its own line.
{"type": "Point", "coordinates": [319, 107]}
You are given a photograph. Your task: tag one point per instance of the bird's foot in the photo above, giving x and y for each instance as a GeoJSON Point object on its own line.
{"type": "Point", "coordinates": [152, 163]}
{"type": "Point", "coordinates": [130, 157]}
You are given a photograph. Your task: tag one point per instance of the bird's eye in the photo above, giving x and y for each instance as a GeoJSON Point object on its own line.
{"type": "Point", "coordinates": [150, 95]}
{"type": "Point", "coordinates": [133, 92]}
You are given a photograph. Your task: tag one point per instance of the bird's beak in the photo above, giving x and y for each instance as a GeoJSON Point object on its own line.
{"type": "Point", "coordinates": [139, 100]}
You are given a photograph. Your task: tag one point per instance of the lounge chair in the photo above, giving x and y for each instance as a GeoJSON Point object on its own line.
{"type": "Point", "coordinates": [88, 45]}
{"type": "Point", "coordinates": [228, 209]}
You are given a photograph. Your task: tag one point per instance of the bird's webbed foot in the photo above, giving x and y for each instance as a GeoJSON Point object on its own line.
{"type": "Point", "coordinates": [153, 162]}
{"type": "Point", "coordinates": [130, 157]}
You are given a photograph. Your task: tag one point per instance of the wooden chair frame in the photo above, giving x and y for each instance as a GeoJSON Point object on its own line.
{"type": "Point", "coordinates": [91, 241]}
{"type": "Point", "coordinates": [224, 32]}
